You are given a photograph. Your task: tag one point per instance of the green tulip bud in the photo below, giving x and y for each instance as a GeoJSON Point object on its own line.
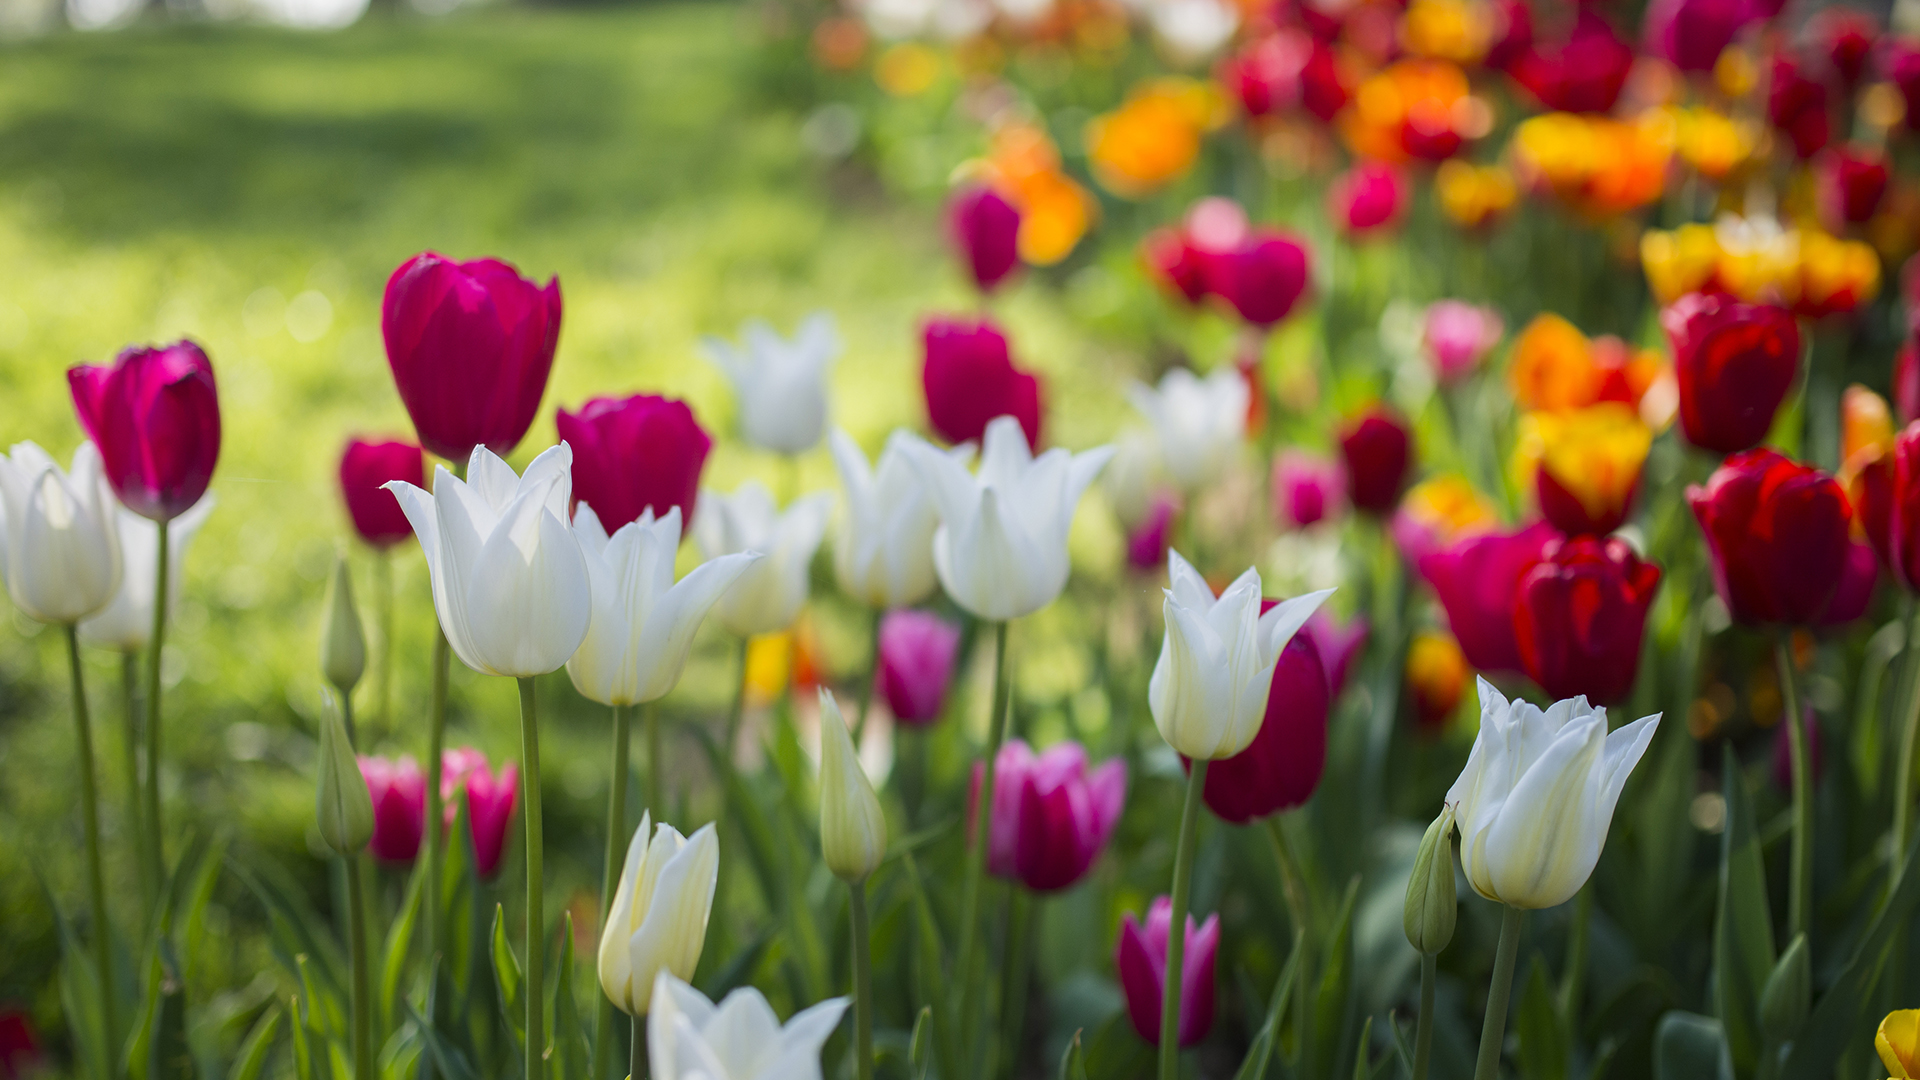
{"type": "Point", "coordinates": [344, 806]}
{"type": "Point", "coordinates": [1430, 897]}
{"type": "Point", "coordinates": [1788, 995]}
{"type": "Point", "coordinates": [343, 648]}
{"type": "Point", "coordinates": [853, 830]}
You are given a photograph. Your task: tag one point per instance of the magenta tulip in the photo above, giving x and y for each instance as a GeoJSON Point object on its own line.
{"type": "Point", "coordinates": [1457, 336]}
{"type": "Point", "coordinates": [399, 793]}
{"type": "Point", "coordinates": [969, 378]}
{"type": "Point", "coordinates": [986, 229]}
{"type": "Point", "coordinates": [1377, 447]}
{"type": "Point", "coordinates": [470, 345]}
{"type": "Point", "coordinates": [364, 469]}
{"type": "Point", "coordinates": [1263, 278]}
{"type": "Point", "coordinates": [1477, 580]}
{"type": "Point", "coordinates": [1147, 543]}
{"type": "Point", "coordinates": [154, 414]}
{"type": "Point", "coordinates": [1141, 958]}
{"type": "Point", "coordinates": [1281, 767]}
{"type": "Point", "coordinates": [917, 650]}
{"type": "Point", "coordinates": [1050, 817]}
{"type": "Point", "coordinates": [1307, 488]}
{"type": "Point", "coordinates": [490, 799]}
{"type": "Point", "coordinates": [635, 454]}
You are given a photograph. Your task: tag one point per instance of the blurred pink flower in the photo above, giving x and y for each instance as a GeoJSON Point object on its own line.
{"type": "Point", "coordinates": [917, 650]}
{"type": "Point", "coordinates": [1050, 817]}
{"type": "Point", "coordinates": [1307, 488]}
{"type": "Point", "coordinates": [1141, 957]}
{"type": "Point", "coordinates": [1340, 644]}
{"type": "Point", "coordinates": [490, 799]}
{"type": "Point", "coordinates": [1147, 543]}
{"type": "Point", "coordinates": [1458, 336]}
{"type": "Point", "coordinates": [399, 793]}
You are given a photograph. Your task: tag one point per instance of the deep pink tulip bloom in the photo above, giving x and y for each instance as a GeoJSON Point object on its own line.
{"type": "Point", "coordinates": [155, 416]}
{"type": "Point", "coordinates": [1147, 543]}
{"type": "Point", "coordinates": [364, 468]}
{"type": "Point", "coordinates": [1852, 181]}
{"type": "Point", "coordinates": [20, 1053]}
{"type": "Point", "coordinates": [1579, 616]}
{"type": "Point", "coordinates": [1263, 278]}
{"type": "Point", "coordinates": [1477, 580]}
{"type": "Point", "coordinates": [1458, 335]}
{"type": "Point", "coordinates": [917, 650]}
{"type": "Point", "coordinates": [470, 345]}
{"type": "Point", "coordinates": [1141, 958]}
{"type": "Point", "coordinates": [1734, 363]}
{"type": "Point", "coordinates": [1583, 73]}
{"type": "Point", "coordinates": [1368, 199]}
{"type": "Point", "coordinates": [633, 454]}
{"type": "Point", "coordinates": [1307, 488]}
{"type": "Point", "coordinates": [1779, 535]}
{"type": "Point", "coordinates": [1339, 645]}
{"type": "Point", "coordinates": [1377, 447]}
{"type": "Point", "coordinates": [399, 791]}
{"type": "Point", "coordinates": [1797, 106]}
{"type": "Point", "coordinates": [970, 379]}
{"type": "Point", "coordinates": [1903, 509]}
{"type": "Point", "coordinates": [1281, 767]}
{"type": "Point", "coordinates": [490, 799]}
{"type": "Point", "coordinates": [985, 229]}
{"type": "Point", "coordinates": [1845, 38]}
{"type": "Point", "coordinates": [1691, 34]}
{"type": "Point", "coordinates": [1050, 817]}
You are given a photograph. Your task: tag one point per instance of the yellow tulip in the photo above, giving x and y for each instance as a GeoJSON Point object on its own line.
{"type": "Point", "coordinates": [1898, 1041]}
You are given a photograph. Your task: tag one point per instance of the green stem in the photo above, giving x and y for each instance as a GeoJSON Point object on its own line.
{"type": "Point", "coordinates": [1574, 980]}
{"type": "Point", "coordinates": [1423, 1033]}
{"type": "Point", "coordinates": [866, 685]}
{"type": "Point", "coordinates": [610, 873]}
{"type": "Point", "coordinates": [735, 711]}
{"type": "Point", "coordinates": [1293, 887]}
{"type": "Point", "coordinates": [346, 717]}
{"type": "Point", "coordinates": [637, 1060]}
{"type": "Point", "coordinates": [96, 876]}
{"type": "Point", "coordinates": [656, 793]}
{"type": "Point", "coordinates": [383, 662]}
{"type": "Point", "coordinates": [1909, 742]}
{"type": "Point", "coordinates": [536, 924]}
{"type": "Point", "coordinates": [862, 982]}
{"type": "Point", "coordinates": [977, 838]}
{"type": "Point", "coordinates": [1177, 934]}
{"type": "Point", "coordinates": [362, 997]}
{"type": "Point", "coordinates": [436, 812]}
{"type": "Point", "coordinates": [130, 763]}
{"type": "Point", "coordinates": [153, 851]}
{"type": "Point", "coordinates": [1800, 873]}
{"type": "Point", "coordinates": [1494, 1032]}
{"type": "Point", "coordinates": [1021, 913]}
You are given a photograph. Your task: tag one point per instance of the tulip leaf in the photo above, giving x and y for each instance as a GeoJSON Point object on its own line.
{"type": "Point", "coordinates": [745, 808]}
{"type": "Point", "coordinates": [1073, 1064]}
{"type": "Point", "coordinates": [1260, 1051]}
{"type": "Point", "coordinates": [302, 1048]}
{"type": "Point", "coordinates": [323, 1009]}
{"type": "Point", "coordinates": [1743, 952]}
{"type": "Point", "coordinates": [1333, 1000]}
{"type": "Point", "coordinates": [569, 1052]}
{"type": "Point", "coordinates": [80, 994]}
{"type": "Point", "coordinates": [737, 970]}
{"type": "Point", "coordinates": [930, 965]}
{"type": "Point", "coordinates": [399, 943]}
{"type": "Point", "coordinates": [447, 1059]}
{"type": "Point", "coordinates": [254, 1052]}
{"type": "Point", "coordinates": [508, 981]}
{"type": "Point", "coordinates": [168, 1055]}
{"type": "Point", "coordinates": [292, 921]}
{"type": "Point", "coordinates": [460, 909]}
{"type": "Point", "coordinates": [919, 1045]}
{"type": "Point", "coordinates": [1688, 1046]}
{"type": "Point", "coordinates": [1545, 1044]}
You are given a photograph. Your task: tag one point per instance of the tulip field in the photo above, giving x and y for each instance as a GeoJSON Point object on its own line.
{"type": "Point", "coordinates": [962, 540]}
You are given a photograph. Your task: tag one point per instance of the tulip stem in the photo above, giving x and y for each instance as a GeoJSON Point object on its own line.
{"type": "Point", "coordinates": [737, 710]}
{"type": "Point", "coordinates": [1022, 911]}
{"type": "Point", "coordinates": [866, 686]}
{"type": "Point", "coordinates": [536, 925]}
{"type": "Point", "coordinates": [610, 872]}
{"type": "Point", "coordinates": [1423, 1032]}
{"type": "Point", "coordinates": [1177, 935]}
{"type": "Point", "coordinates": [362, 998]}
{"type": "Point", "coordinates": [977, 838]}
{"type": "Point", "coordinates": [1494, 1031]}
{"type": "Point", "coordinates": [130, 754]}
{"type": "Point", "coordinates": [383, 663]}
{"type": "Point", "coordinates": [96, 876]}
{"type": "Point", "coordinates": [1800, 879]}
{"type": "Point", "coordinates": [151, 853]}
{"type": "Point", "coordinates": [656, 798]}
{"type": "Point", "coordinates": [436, 827]}
{"type": "Point", "coordinates": [637, 1059]}
{"type": "Point", "coordinates": [1909, 742]}
{"type": "Point", "coordinates": [862, 981]}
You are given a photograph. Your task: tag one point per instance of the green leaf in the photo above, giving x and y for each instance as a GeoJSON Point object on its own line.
{"type": "Point", "coordinates": [1688, 1046]}
{"type": "Point", "coordinates": [80, 993]}
{"type": "Point", "coordinates": [1743, 953]}
{"type": "Point", "coordinates": [738, 969]}
{"type": "Point", "coordinates": [508, 980]}
{"type": "Point", "coordinates": [1545, 1045]}
{"type": "Point", "coordinates": [169, 1057]}
{"type": "Point", "coordinates": [399, 941]}
{"type": "Point", "coordinates": [1073, 1064]}
{"type": "Point", "coordinates": [252, 1060]}
{"type": "Point", "coordinates": [762, 851]}
{"type": "Point", "coordinates": [198, 898]}
{"type": "Point", "coordinates": [1260, 1052]}
{"type": "Point", "coordinates": [292, 921]}
{"type": "Point", "coordinates": [1360, 1069]}
{"type": "Point", "coordinates": [1333, 1000]}
{"type": "Point", "coordinates": [302, 1050]}
{"type": "Point", "coordinates": [919, 1046]}
{"type": "Point", "coordinates": [569, 1052]}
{"type": "Point", "coordinates": [459, 911]}
{"type": "Point", "coordinates": [324, 1012]}
{"type": "Point", "coordinates": [930, 966]}
{"type": "Point", "coordinates": [447, 1059]}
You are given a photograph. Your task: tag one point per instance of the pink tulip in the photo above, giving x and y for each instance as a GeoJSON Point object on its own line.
{"type": "Point", "coordinates": [1367, 199]}
{"type": "Point", "coordinates": [986, 229]}
{"type": "Point", "coordinates": [1263, 278]}
{"type": "Point", "coordinates": [1307, 488]}
{"type": "Point", "coordinates": [366, 466]}
{"type": "Point", "coordinates": [1339, 645]}
{"type": "Point", "coordinates": [1141, 958]}
{"type": "Point", "coordinates": [917, 650]}
{"type": "Point", "coordinates": [969, 378]}
{"type": "Point", "coordinates": [490, 799]}
{"type": "Point", "coordinates": [1147, 543]}
{"type": "Point", "coordinates": [1050, 817]}
{"type": "Point", "coordinates": [155, 416]}
{"type": "Point", "coordinates": [1458, 335]}
{"type": "Point", "coordinates": [470, 345]}
{"type": "Point", "coordinates": [399, 793]}
{"type": "Point", "coordinates": [1478, 580]}
{"type": "Point", "coordinates": [633, 454]}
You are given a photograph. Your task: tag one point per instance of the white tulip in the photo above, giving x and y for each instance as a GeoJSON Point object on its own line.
{"type": "Point", "coordinates": [643, 621]}
{"type": "Point", "coordinates": [1132, 478]}
{"type": "Point", "coordinates": [1192, 30]}
{"type": "Point", "coordinates": [126, 623]}
{"type": "Point", "coordinates": [1001, 549]}
{"type": "Point", "coordinates": [883, 554]}
{"type": "Point", "coordinates": [658, 922]}
{"type": "Point", "coordinates": [1200, 421]}
{"type": "Point", "coordinates": [781, 385]}
{"type": "Point", "coordinates": [853, 830]}
{"type": "Point", "coordinates": [60, 555]}
{"type": "Point", "coordinates": [767, 597]}
{"type": "Point", "coordinates": [1209, 688]}
{"type": "Point", "coordinates": [691, 1038]}
{"type": "Point", "coordinates": [1537, 796]}
{"type": "Point", "coordinates": [509, 579]}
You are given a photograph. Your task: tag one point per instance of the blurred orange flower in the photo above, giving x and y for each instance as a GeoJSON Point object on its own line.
{"type": "Point", "coordinates": [1475, 196]}
{"type": "Point", "coordinates": [1153, 138]}
{"type": "Point", "coordinates": [1455, 30]}
{"type": "Point", "coordinates": [1555, 366]}
{"type": "Point", "coordinates": [1023, 165]}
{"type": "Point", "coordinates": [1415, 108]}
{"type": "Point", "coordinates": [1596, 165]}
{"type": "Point", "coordinates": [1866, 423]}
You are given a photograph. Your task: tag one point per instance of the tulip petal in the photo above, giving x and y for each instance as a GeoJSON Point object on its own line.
{"type": "Point", "coordinates": [673, 928]}
{"type": "Point", "coordinates": [667, 635]}
{"type": "Point", "coordinates": [1542, 842]}
{"type": "Point", "coordinates": [616, 968]}
{"type": "Point", "coordinates": [1283, 620]}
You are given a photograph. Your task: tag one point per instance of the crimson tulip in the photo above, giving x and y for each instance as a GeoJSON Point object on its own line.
{"type": "Point", "coordinates": [470, 345]}
{"type": "Point", "coordinates": [1906, 382]}
{"type": "Point", "coordinates": [154, 414]}
{"type": "Point", "coordinates": [917, 650]}
{"type": "Point", "coordinates": [985, 229]}
{"type": "Point", "coordinates": [1778, 532]}
{"type": "Point", "coordinates": [1281, 767]}
{"type": "Point", "coordinates": [1141, 959]}
{"type": "Point", "coordinates": [1585, 73]}
{"type": "Point", "coordinates": [1845, 38]}
{"type": "Point", "coordinates": [364, 469]}
{"type": "Point", "coordinates": [1324, 88]}
{"type": "Point", "coordinates": [1477, 580]}
{"type": "Point", "coordinates": [635, 454]}
{"type": "Point", "coordinates": [1691, 34]}
{"type": "Point", "coordinates": [1378, 450]}
{"type": "Point", "coordinates": [1903, 509]}
{"type": "Point", "coordinates": [1734, 363]}
{"type": "Point", "coordinates": [399, 793]}
{"type": "Point", "coordinates": [1512, 33]}
{"type": "Point", "coordinates": [1265, 74]}
{"type": "Point", "coordinates": [1902, 68]}
{"type": "Point", "coordinates": [1852, 183]}
{"type": "Point", "coordinates": [1147, 542]}
{"type": "Point", "coordinates": [1578, 617]}
{"type": "Point", "coordinates": [1175, 263]}
{"type": "Point", "coordinates": [490, 799]}
{"type": "Point", "coordinates": [1050, 818]}
{"type": "Point", "coordinates": [1869, 485]}
{"type": "Point", "coordinates": [970, 378]}
{"type": "Point", "coordinates": [1263, 278]}
{"type": "Point", "coordinates": [1797, 106]}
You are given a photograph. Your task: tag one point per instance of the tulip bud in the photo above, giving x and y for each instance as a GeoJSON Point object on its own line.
{"type": "Point", "coordinates": [343, 648]}
{"type": "Point", "coordinates": [1788, 994]}
{"type": "Point", "coordinates": [1377, 446]}
{"type": "Point", "coordinates": [344, 806]}
{"type": "Point", "coordinates": [853, 830]}
{"type": "Point", "coordinates": [1431, 901]}
{"type": "Point", "coordinates": [1898, 1042]}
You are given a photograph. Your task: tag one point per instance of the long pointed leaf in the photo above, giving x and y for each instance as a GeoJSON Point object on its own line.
{"type": "Point", "coordinates": [1260, 1052]}
{"type": "Point", "coordinates": [1743, 953]}
{"type": "Point", "coordinates": [252, 1060]}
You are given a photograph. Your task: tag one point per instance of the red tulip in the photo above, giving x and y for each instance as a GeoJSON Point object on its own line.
{"type": "Point", "coordinates": [1579, 615]}
{"type": "Point", "coordinates": [1141, 958]}
{"type": "Point", "coordinates": [1845, 37]}
{"type": "Point", "coordinates": [970, 379]}
{"type": "Point", "coordinates": [1323, 86]}
{"type": "Point", "coordinates": [1797, 106]}
{"type": "Point", "coordinates": [1512, 35]}
{"type": "Point", "coordinates": [20, 1054]}
{"type": "Point", "coordinates": [1280, 769]}
{"type": "Point", "coordinates": [1367, 199]}
{"type": "Point", "coordinates": [1902, 66]}
{"type": "Point", "coordinates": [917, 650]}
{"type": "Point", "coordinates": [1262, 278]}
{"type": "Point", "coordinates": [1050, 817]}
{"type": "Point", "coordinates": [490, 799]}
{"type": "Point", "coordinates": [1477, 580]}
{"type": "Point", "coordinates": [1174, 263]}
{"type": "Point", "coordinates": [1583, 74]}
{"type": "Point", "coordinates": [154, 414]}
{"type": "Point", "coordinates": [399, 793]}
{"type": "Point", "coordinates": [1734, 363]}
{"type": "Point", "coordinates": [1691, 34]}
{"type": "Point", "coordinates": [470, 345]}
{"type": "Point", "coordinates": [1265, 74]}
{"type": "Point", "coordinates": [1378, 450]}
{"type": "Point", "coordinates": [365, 466]}
{"type": "Point", "coordinates": [1778, 534]}
{"type": "Point", "coordinates": [986, 231]}
{"type": "Point", "coordinates": [635, 454]}
{"type": "Point", "coordinates": [1906, 382]}
{"type": "Point", "coordinates": [1903, 509]}
{"type": "Point", "coordinates": [1869, 484]}
{"type": "Point", "coordinates": [1852, 183]}
{"type": "Point", "coordinates": [1339, 645]}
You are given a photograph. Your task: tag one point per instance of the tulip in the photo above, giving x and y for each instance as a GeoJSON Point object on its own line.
{"type": "Point", "coordinates": [1324, 85]}
{"type": "Point", "coordinates": [1585, 73]}
{"type": "Point", "coordinates": [490, 799]}
{"type": "Point", "coordinates": [399, 793]}
{"type": "Point", "coordinates": [1209, 689]}
{"type": "Point", "coordinates": [1307, 489]}
{"type": "Point", "coordinates": [1797, 105]}
{"type": "Point", "coordinates": [689, 1038]}
{"type": "Point", "coordinates": [768, 595]}
{"type": "Point", "coordinates": [1141, 957]}
{"type": "Point", "coordinates": [1001, 549]}
{"type": "Point", "coordinates": [1903, 510]}
{"type": "Point", "coordinates": [510, 582]}
{"type": "Point", "coordinates": [1898, 1042]}
{"type": "Point", "coordinates": [781, 385]}
{"type": "Point", "coordinates": [1778, 534]}
{"type": "Point", "coordinates": [1378, 449]}
{"type": "Point", "coordinates": [344, 807]}
{"type": "Point", "coordinates": [985, 229]}
{"type": "Point", "coordinates": [1281, 767]}
{"type": "Point", "coordinates": [883, 553]}
{"type": "Point", "coordinates": [1338, 644]}
{"type": "Point", "coordinates": [1902, 68]}
{"type": "Point", "coordinates": [1263, 278]}
{"type": "Point", "coordinates": [1050, 817]}
{"type": "Point", "coordinates": [1906, 382]}
{"type": "Point", "coordinates": [1734, 363]}
{"type": "Point", "coordinates": [1147, 543]}
{"type": "Point", "coordinates": [643, 621]}
{"type": "Point", "coordinates": [365, 469]}
{"type": "Point", "coordinates": [1476, 581]}
{"type": "Point", "coordinates": [1200, 422]}
{"type": "Point", "coordinates": [1691, 34]}
{"type": "Point", "coordinates": [658, 921]}
{"type": "Point", "coordinates": [60, 556]}
{"type": "Point", "coordinates": [1588, 464]}
{"type": "Point", "coordinates": [1175, 264]}
{"type": "Point", "coordinates": [1537, 796]}
{"type": "Point", "coordinates": [1579, 616]}
{"type": "Point", "coordinates": [1868, 480]}
{"type": "Point", "coordinates": [1437, 512]}
{"type": "Point", "coordinates": [635, 454]}
{"type": "Point", "coordinates": [155, 416]}
{"type": "Point", "coordinates": [1512, 33]}
{"type": "Point", "coordinates": [1852, 184]}
{"type": "Point", "coordinates": [1265, 74]}
{"type": "Point", "coordinates": [343, 646]}
{"type": "Point", "coordinates": [917, 652]}
{"type": "Point", "coordinates": [126, 623]}
{"type": "Point", "coordinates": [1367, 199]}
{"type": "Point", "coordinates": [969, 379]}
{"type": "Point", "coordinates": [853, 830]}
{"type": "Point", "coordinates": [1431, 908]}
{"type": "Point", "coordinates": [19, 1045]}
{"type": "Point", "coordinates": [1845, 37]}
{"type": "Point", "coordinates": [1457, 336]}
{"type": "Point", "coordinates": [1436, 676]}
{"type": "Point", "coordinates": [470, 345]}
